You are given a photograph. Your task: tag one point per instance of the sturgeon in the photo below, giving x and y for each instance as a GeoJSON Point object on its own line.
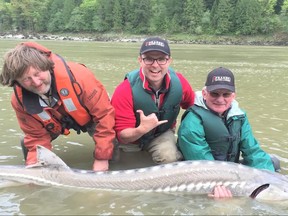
{"type": "Point", "coordinates": [193, 177]}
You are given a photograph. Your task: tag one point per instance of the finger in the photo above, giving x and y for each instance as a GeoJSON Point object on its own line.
{"type": "Point", "coordinates": [211, 195]}
{"type": "Point", "coordinates": [162, 122]}
{"type": "Point", "coordinates": [226, 192]}
{"type": "Point", "coordinates": [152, 115]}
{"type": "Point", "coordinates": [141, 113]}
{"type": "Point", "coordinates": [229, 193]}
{"type": "Point", "coordinates": [223, 192]}
{"type": "Point", "coordinates": [217, 192]}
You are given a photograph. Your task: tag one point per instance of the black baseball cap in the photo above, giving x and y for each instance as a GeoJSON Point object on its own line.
{"type": "Point", "coordinates": [220, 78]}
{"type": "Point", "coordinates": [155, 44]}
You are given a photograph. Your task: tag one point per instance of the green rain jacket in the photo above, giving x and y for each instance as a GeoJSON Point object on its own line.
{"type": "Point", "coordinates": [203, 135]}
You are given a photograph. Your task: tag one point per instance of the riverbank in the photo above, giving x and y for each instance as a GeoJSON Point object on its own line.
{"type": "Point", "coordinates": [279, 39]}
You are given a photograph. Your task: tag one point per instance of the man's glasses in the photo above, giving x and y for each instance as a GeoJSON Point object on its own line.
{"type": "Point", "coordinates": [150, 61]}
{"type": "Point", "coordinates": [217, 95]}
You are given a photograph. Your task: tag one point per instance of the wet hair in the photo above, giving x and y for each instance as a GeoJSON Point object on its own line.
{"type": "Point", "coordinates": [18, 60]}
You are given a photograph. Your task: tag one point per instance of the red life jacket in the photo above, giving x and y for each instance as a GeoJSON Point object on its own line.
{"type": "Point", "coordinates": [68, 90]}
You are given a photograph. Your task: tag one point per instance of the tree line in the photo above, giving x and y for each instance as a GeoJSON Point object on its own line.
{"type": "Point", "coordinates": [215, 17]}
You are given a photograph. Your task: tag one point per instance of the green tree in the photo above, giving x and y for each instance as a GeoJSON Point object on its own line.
{"type": "Point", "coordinates": [268, 6]}
{"type": "Point", "coordinates": [173, 26]}
{"type": "Point", "coordinates": [145, 17]}
{"type": "Point", "coordinates": [56, 21]}
{"type": "Point", "coordinates": [175, 10]}
{"type": "Point", "coordinates": [209, 4]}
{"type": "Point", "coordinates": [222, 16]}
{"type": "Point", "coordinates": [26, 14]}
{"type": "Point", "coordinates": [125, 7]}
{"type": "Point", "coordinates": [6, 21]}
{"type": "Point", "coordinates": [270, 21]}
{"type": "Point", "coordinates": [81, 17]}
{"type": "Point", "coordinates": [194, 10]}
{"type": "Point", "coordinates": [284, 9]}
{"type": "Point", "coordinates": [284, 16]}
{"type": "Point", "coordinates": [118, 20]}
{"type": "Point", "coordinates": [18, 16]}
{"type": "Point", "coordinates": [278, 6]}
{"type": "Point", "coordinates": [68, 7]}
{"type": "Point", "coordinates": [140, 14]}
{"type": "Point", "coordinates": [43, 15]}
{"type": "Point", "coordinates": [159, 20]}
{"type": "Point", "coordinates": [206, 22]}
{"type": "Point", "coordinates": [103, 19]}
{"type": "Point", "coordinates": [76, 22]}
{"type": "Point", "coordinates": [248, 15]}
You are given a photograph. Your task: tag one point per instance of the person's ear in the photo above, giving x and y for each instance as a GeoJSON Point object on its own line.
{"type": "Point", "coordinates": [204, 93]}
{"type": "Point", "coordinates": [140, 59]}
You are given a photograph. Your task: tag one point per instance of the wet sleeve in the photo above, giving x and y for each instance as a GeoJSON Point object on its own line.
{"type": "Point", "coordinates": [252, 153]}
{"type": "Point", "coordinates": [96, 99]}
{"type": "Point", "coordinates": [34, 132]}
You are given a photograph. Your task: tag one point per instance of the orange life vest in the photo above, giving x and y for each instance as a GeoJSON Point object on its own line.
{"type": "Point", "coordinates": [68, 90]}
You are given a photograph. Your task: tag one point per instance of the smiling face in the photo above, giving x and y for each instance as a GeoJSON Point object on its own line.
{"type": "Point", "coordinates": [154, 66]}
{"type": "Point", "coordinates": [35, 80]}
{"type": "Point", "coordinates": [218, 100]}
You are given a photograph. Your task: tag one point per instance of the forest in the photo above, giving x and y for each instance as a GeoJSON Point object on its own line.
{"type": "Point", "coordinates": [197, 17]}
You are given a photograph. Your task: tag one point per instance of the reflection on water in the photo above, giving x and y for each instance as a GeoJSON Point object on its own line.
{"type": "Point", "coordinates": [265, 103]}
{"type": "Point", "coordinates": [37, 200]}
{"type": "Point", "coordinates": [261, 82]}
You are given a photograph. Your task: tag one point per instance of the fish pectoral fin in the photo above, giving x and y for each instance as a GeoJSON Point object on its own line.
{"type": "Point", "coordinates": [259, 190]}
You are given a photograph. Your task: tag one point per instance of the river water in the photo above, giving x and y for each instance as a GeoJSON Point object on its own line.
{"type": "Point", "coordinates": [261, 86]}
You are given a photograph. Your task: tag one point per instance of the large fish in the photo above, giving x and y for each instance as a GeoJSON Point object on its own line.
{"type": "Point", "coordinates": [194, 177]}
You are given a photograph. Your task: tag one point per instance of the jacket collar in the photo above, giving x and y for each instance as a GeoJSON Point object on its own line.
{"type": "Point", "coordinates": [33, 103]}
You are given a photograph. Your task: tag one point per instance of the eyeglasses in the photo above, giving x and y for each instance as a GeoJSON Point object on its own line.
{"type": "Point", "coordinates": [217, 95]}
{"type": "Point", "coordinates": [150, 61]}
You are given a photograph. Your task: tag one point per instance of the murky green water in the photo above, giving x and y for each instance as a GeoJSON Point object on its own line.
{"type": "Point", "coordinates": [261, 82]}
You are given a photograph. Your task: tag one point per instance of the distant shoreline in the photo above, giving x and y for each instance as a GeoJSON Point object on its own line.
{"type": "Point", "coordinates": [275, 40]}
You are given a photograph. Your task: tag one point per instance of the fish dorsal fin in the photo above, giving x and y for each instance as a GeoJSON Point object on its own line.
{"type": "Point", "coordinates": [49, 159]}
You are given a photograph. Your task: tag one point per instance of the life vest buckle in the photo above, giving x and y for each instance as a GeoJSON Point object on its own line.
{"type": "Point", "coordinates": [50, 126]}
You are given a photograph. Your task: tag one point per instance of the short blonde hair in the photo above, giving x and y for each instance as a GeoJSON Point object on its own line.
{"type": "Point", "coordinates": [18, 60]}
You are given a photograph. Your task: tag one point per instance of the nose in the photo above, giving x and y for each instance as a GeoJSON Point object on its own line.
{"type": "Point", "coordinates": [221, 96]}
{"type": "Point", "coordinates": [220, 99]}
{"type": "Point", "coordinates": [155, 63]}
{"type": "Point", "coordinates": [35, 80]}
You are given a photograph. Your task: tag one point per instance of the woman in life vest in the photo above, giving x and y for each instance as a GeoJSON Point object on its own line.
{"type": "Point", "coordinates": [52, 96]}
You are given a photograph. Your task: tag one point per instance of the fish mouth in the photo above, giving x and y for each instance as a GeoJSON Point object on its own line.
{"type": "Point", "coordinates": [258, 190]}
